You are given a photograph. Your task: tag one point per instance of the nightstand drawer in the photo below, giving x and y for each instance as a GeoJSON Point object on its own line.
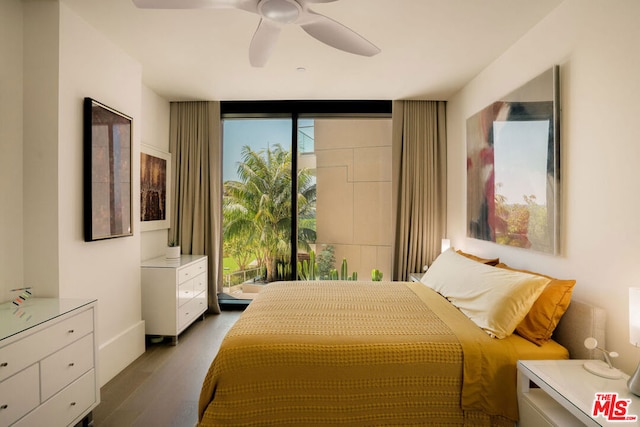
{"type": "Point", "coordinates": [62, 368]}
{"type": "Point", "coordinates": [538, 409]}
{"type": "Point", "coordinates": [18, 395]}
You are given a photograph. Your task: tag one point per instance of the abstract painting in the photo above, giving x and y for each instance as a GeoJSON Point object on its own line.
{"type": "Point", "coordinates": [155, 167]}
{"type": "Point", "coordinates": [107, 172]}
{"type": "Point", "coordinates": [513, 168]}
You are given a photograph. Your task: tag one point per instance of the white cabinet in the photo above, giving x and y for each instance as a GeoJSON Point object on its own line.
{"type": "Point", "coordinates": [174, 294]}
{"type": "Point", "coordinates": [48, 362]}
{"type": "Point", "coordinates": [416, 277]}
{"type": "Point", "coordinates": [564, 395]}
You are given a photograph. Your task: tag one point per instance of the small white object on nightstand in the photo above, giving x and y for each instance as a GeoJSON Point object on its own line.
{"type": "Point", "coordinates": [598, 367]}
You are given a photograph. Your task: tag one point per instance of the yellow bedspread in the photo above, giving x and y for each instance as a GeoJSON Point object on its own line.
{"type": "Point", "coordinates": [360, 353]}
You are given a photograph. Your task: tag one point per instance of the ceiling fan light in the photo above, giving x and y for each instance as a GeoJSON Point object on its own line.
{"type": "Point", "coordinates": [282, 11]}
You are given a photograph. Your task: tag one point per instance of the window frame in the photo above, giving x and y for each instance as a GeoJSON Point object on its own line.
{"type": "Point", "coordinates": [295, 110]}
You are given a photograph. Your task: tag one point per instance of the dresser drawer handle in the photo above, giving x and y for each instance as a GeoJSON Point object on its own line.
{"type": "Point", "coordinates": [73, 403]}
{"type": "Point", "coordinates": [71, 331]}
{"type": "Point", "coordinates": [71, 365]}
{"type": "Point", "coordinates": [4, 365]}
{"type": "Point", "coordinates": [5, 406]}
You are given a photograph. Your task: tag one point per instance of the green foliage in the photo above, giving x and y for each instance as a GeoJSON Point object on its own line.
{"type": "Point", "coordinates": [283, 270]}
{"type": "Point", "coordinates": [257, 207]}
{"type": "Point", "coordinates": [376, 275]}
{"type": "Point", "coordinates": [308, 270]}
{"type": "Point", "coordinates": [236, 247]}
{"type": "Point", "coordinates": [230, 264]}
{"type": "Point", "coordinates": [343, 269]}
{"type": "Point", "coordinates": [326, 262]}
{"type": "Point", "coordinates": [522, 224]}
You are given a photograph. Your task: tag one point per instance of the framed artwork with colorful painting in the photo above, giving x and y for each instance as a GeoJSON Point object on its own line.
{"type": "Point", "coordinates": [513, 168]}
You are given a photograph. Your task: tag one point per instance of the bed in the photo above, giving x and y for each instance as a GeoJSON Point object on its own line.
{"type": "Point", "coordinates": [372, 353]}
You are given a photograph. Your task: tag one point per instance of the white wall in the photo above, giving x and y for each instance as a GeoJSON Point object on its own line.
{"type": "Point", "coordinates": [66, 60]}
{"type": "Point", "coordinates": [596, 45]}
{"type": "Point", "coordinates": [40, 147]}
{"type": "Point", "coordinates": [50, 59]}
{"type": "Point", "coordinates": [92, 66]}
{"type": "Point", "coordinates": [11, 212]}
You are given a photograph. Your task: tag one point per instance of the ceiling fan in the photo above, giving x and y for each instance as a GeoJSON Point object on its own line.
{"type": "Point", "coordinates": [274, 15]}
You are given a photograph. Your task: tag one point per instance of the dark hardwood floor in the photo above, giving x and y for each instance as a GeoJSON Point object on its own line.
{"type": "Point", "coordinates": [161, 387]}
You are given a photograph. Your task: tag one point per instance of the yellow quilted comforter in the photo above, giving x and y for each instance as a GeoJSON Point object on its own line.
{"type": "Point", "coordinates": [361, 353]}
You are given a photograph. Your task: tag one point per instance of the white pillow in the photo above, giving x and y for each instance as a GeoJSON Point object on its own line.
{"type": "Point", "coordinates": [495, 299]}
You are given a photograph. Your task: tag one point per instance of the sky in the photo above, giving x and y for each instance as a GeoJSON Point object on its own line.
{"type": "Point", "coordinates": [258, 134]}
{"type": "Point", "coordinates": [520, 159]}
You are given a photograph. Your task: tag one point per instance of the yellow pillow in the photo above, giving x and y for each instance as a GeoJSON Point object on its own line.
{"type": "Point", "coordinates": [539, 324]}
{"type": "Point", "coordinates": [488, 261]}
{"type": "Point", "coordinates": [495, 299]}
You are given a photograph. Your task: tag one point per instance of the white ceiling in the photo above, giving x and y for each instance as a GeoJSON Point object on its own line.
{"type": "Point", "coordinates": [430, 48]}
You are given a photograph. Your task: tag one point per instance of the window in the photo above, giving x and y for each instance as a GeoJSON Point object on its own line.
{"type": "Point", "coordinates": [342, 208]}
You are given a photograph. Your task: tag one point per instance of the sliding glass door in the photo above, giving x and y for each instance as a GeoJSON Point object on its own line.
{"type": "Point", "coordinates": [257, 165]}
{"type": "Point", "coordinates": [340, 208]}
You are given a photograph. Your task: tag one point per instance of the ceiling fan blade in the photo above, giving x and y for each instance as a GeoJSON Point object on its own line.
{"type": "Point", "coordinates": [196, 4]}
{"type": "Point", "coordinates": [263, 42]}
{"type": "Point", "coordinates": [336, 35]}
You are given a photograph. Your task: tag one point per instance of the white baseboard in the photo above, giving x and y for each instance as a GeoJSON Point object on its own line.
{"type": "Point", "coordinates": [117, 353]}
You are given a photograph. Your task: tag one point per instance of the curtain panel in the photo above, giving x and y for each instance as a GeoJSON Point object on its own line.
{"type": "Point", "coordinates": [420, 172]}
{"type": "Point", "coordinates": [196, 220]}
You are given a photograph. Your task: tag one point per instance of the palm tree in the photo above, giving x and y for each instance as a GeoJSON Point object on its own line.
{"type": "Point", "coordinates": [258, 206]}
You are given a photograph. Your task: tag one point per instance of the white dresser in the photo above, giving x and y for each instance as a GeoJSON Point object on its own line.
{"type": "Point", "coordinates": [174, 294]}
{"type": "Point", "coordinates": [48, 362]}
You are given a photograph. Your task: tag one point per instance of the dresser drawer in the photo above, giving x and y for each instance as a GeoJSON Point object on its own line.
{"type": "Point", "coordinates": [18, 395]}
{"type": "Point", "coordinates": [66, 406]}
{"type": "Point", "coordinates": [192, 271]}
{"type": "Point", "coordinates": [188, 312]}
{"type": "Point", "coordinates": [20, 354]}
{"type": "Point", "coordinates": [200, 283]}
{"type": "Point", "coordinates": [185, 293]}
{"type": "Point", "coordinates": [63, 367]}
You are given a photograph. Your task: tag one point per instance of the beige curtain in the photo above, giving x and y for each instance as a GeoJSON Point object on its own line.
{"type": "Point", "coordinates": [196, 220]}
{"type": "Point", "coordinates": [420, 171]}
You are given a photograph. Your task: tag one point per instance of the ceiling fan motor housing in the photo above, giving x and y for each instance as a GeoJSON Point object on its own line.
{"type": "Point", "coordinates": [282, 11]}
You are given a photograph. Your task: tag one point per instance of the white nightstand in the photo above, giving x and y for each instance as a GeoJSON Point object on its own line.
{"type": "Point", "coordinates": [566, 395]}
{"type": "Point", "coordinates": [415, 277]}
